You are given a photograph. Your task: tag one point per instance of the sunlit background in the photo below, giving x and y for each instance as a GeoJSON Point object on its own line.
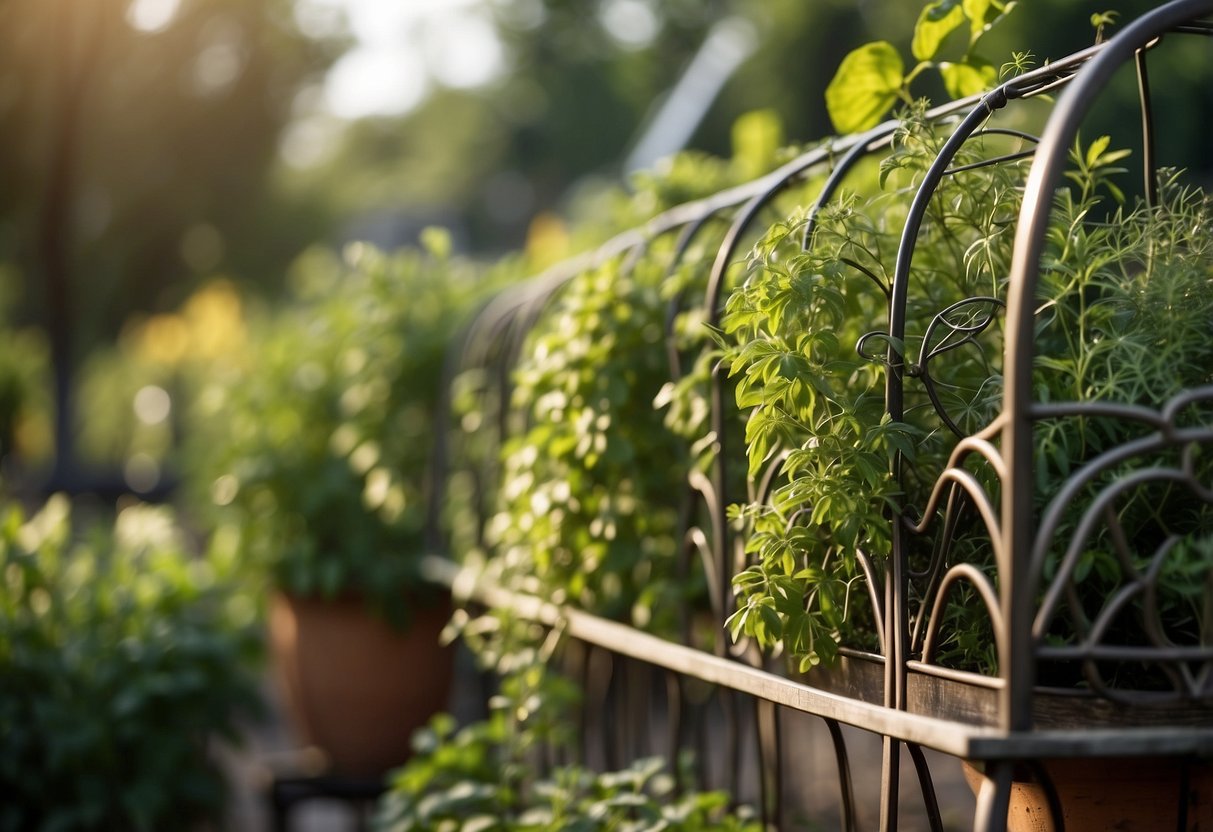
{"type": "Point", "coordinates": [186, 298]}
{"type": "Point", "coordinates": [163, 162]}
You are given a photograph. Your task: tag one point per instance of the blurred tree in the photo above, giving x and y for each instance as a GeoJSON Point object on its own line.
{"type": "Point", "coordinates": [139, 138]}
{"type": "Point", "coordinates": [136, 140]}
{"type": "Point", "coordinates": [584, 82]}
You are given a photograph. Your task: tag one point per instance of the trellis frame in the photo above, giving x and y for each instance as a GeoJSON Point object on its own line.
{"type": "Point", "coordinates": [1003, 720]}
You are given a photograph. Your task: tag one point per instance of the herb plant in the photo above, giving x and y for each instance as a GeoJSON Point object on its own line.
{"type": "Point", "coordinates": [123, 657]}
{"type": "Point", "coordinates": [809, 349]}
{"type": "Point", "coordinates": [328, 421]}
{"type": "Point", "coordinates": [1124, 319]}
{"type": "Point", "coordinates": [811, 361]}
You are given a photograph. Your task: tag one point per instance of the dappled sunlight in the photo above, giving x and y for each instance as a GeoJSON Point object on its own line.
{"type": "Point", "coordinates": [656, 368]}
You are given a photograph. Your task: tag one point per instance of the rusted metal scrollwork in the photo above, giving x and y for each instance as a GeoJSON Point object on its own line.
{"type": "Point", "coordinates": [1009, 717]}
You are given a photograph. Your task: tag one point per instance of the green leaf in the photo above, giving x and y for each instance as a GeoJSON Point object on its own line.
{"type": "Point", "coordinates": [437, 241]}
{"type": "Point", "coordinates": [788, 562]}
{"type": "Point", "coordinates": [983, 15]}
{"type": "Point", "coordinates": [1096, 150]}
{"type": "Point", "coordinates": [736, 623]}
{"type": "Point", "coordinates": [757, 137]}
{"type": "Point", "coordinates": [867, 83]}
{"type": "Point", "coordinates": [771, 621]}
{"type": "Point", "coordinates": [938, 20]}
{"type": "Point", "coordinates": [970, 78]}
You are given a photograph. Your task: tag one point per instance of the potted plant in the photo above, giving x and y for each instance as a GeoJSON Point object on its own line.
{"type": "Point", "coordinates": [320, 462]}
{"type": "Point", "coordinates": [125, 657]}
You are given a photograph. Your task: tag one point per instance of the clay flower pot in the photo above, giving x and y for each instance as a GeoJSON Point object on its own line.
{"type": "Point", "coordinates": [1130, 794]}
{"type": "Point", "coordinates": [354, 687]}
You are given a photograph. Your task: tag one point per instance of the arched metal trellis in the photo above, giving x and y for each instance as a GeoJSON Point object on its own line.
{"type": "Point", "coordinates": [1005, 720]}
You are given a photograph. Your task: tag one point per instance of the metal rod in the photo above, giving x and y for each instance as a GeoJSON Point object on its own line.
{"type": "Point", "coordinates": [1149, 168]}
{"type": "Point", "coordinates": [845, 787]}
{"type": "Point", "coordinates": [1018, 588]}
{"type": "Point", "coordinates": [928, 787]}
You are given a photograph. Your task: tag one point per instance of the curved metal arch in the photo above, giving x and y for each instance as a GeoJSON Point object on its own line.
{"type": "Point", "coordinates": [989, 596]}
{"type": "Point", "coordinates": [875, 137]}
{"type": "Point", "coordinates": [440, 464]}
{"type": "Point", "coordinates": [1018, 587]}
{"type": "Point", "coordinates": [683, 244]}
{"type": "Point", "coordinates": [990, 103]}
{"type": "Point", "coordinates": [1054, 512]}
{"type": "Point", "coordinates": [874, 598]}
{"type": "Point", "coordinates": [933, 574]}
{"type": "Point", "coordinates": [1030, 84]}
{"type": "Point", "coordinates": [846, 790]}
{"type": "Point", "coordinates": [927, 786]}
{"type": "Point", "coordinates": [1091, 517]}
{"type": "Point", "coordinates": [484, 343]}
{"type": "Point", "coordinates": [980, 445]}
{"type": "Point", "coordinates": [981, 501]}
{"type": "Point", "coordinates": [967, 334]}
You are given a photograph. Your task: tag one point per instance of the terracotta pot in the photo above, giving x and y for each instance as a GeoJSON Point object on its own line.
{"type": "Point", "coordinates": [1128, 794]}
{"type": "Point", "coordinates": [354, 687]}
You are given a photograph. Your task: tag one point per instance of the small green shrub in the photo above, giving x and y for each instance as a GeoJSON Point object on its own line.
{"type": "Point", "coordinates": [482, 778]}
{"type": "Point", "coordinates": [123, 656]}
{"type": "Point", "coordinates": [315, 443]}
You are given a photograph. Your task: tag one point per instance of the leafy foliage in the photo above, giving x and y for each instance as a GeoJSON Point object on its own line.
{"type": "Point", "coordinates": [480, 779]}
{"type": "Point", "coordinates": [1124, 319]}
{"type": "Point", "coordinates": [122, 656]}
{"type": "Point", "coordinates": [872, 78]}
{"type": "Point", "coordinates": [328, 421]}
{"type": "Point", "coordinates": [24, 386]}
{"type": "Point", "coordinates": [810, 348]}
{"type": "Point", "coordinates": [590, 490]}
{"type": "Point", "coordinates": [594, 471]}
{"type": "Point", "coordinates": [802, 329]}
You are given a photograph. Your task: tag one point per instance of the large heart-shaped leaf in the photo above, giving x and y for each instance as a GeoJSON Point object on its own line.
{"type": "Point", "coordinates": [864, 88]}
{"type": "Point", "coordinates": [983, 14]}
{"type": "Point", "coordinates": [969, 78]}
{"type": "Point", "coordinates": [937, 20]}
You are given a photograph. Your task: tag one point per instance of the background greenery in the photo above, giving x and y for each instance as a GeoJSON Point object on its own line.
{"type": "Point", "coordinates": [131, 174]}
{"type": "Point", "coordinates": [313, 442]}
{"type": "Point", "coordinates": [150, 215]}
{"type": "Point", "coordinates": [125, 656]}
